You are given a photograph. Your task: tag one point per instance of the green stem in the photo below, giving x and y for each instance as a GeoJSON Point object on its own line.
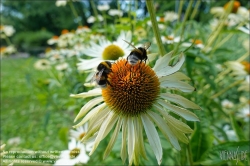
{"type": "Point", "coordinates": [183, 25]}
{"type": "Point", "coordinates": [190, 156]}
{"type": "Point", "coordinates": [227, 88]}
{"type": "Point", "coordinates": [7, 40]}
{"type": "Point", "coordinates": [156, 30]}
{"type": "Point", "coordinates": [195, 9]}
{"type": "Point", "coordinates": [74, 11]}
{"type": "Point", "coordinates": [180, 9]}
{"type": "Point", "coordinates": [92, 3]}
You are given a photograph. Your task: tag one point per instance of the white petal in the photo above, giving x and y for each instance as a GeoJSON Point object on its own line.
{"type": "Point", "coordinates": [178, 76]}
{"type": "Point", "coordinates": [86, 64]}
{"type": "Point", "coordinates": [90, 93]}
{"type": "Point", "coordinates": [153, 137]}
{"type": "Point", "coordinates": [179, 100]}
{"type": "Point", "coordinates": [162, 62]}
{"type": "Point", "coordinates": [179, 111]}
{"type": "Point", "coordinates": [131, 140]}
{"type": "Point", "coordinates": [91, 114]}
{"type": "Point", "coordinates": [124, 138]}
{"type": "Point", "coordinates": [104, 130]}
{"type": "Point", "coordinates": [184, 87]}
{"type": "Point", "coordinates": [167, 70]}
{"type": "Point", "coordinates": [164, 129]}
{"type": "Point", "coordinates": [87, 107]}
{"type": "Point", "coordinates": [113, 138]}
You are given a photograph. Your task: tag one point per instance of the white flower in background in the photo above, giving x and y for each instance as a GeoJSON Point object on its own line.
{"type": "Point", "coordinates": [134, 102]}
{"type": "Point", "coordinates": [62, 67]}
{"type": "Point", "coordinates": [239, 69]}
{"type": "Point", "coordinates": [170, 39]}
{"type": "Point", "coordinates": [105, 50]}
{"type": "Point", "coordinates": [82, 29]}
{"type": "Point", "coordinates": [170, 16]}
{"type": "Point", "coordinates": [75, 154]}
{"type": "Point", "coordinates": [246, 30]}
{"type": "Point", "coordinates": [42, 64]}
{"type": "Point", "coordinates": [227, 104]}
{"type": "Point", "coordinates": [244, 113]}
{"type": "Point", "coordinates": [218, 11]}
{"type": "Point", "coordinates": [66, 39]}
{"type": "Point", "coordinates": [7, 50]}
{"type": "Point", "coordinates": [231, 135]}
{"type": "Point", "coordinates": [103, 7]}
{"type": "Point", "coordinates": [53, 40]}
{"type": "Point", "coordinates": [8, 30]}
{"type": "Point", "coordinates": [244, 86]}
{"type": "Point", "coordinates": [61, 3]}
{"type": "Point", "coordinates": [79, 133]}
{"type": "Point", "coordinates": [115, 12]}
{"type": "Point", "coordinates": [197, 43]}
{"type": "Point", "coordinates": [161, 26]}
{"type": "Point", "coordinates": [92, 19]}
{"type": "Point", "coordinates": [14, 141]}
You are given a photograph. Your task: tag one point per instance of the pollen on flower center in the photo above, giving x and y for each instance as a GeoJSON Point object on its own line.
{"type": "Point", "coordinates": [132, 90]}
{"type": "Point", "coordinates": [112, 52]}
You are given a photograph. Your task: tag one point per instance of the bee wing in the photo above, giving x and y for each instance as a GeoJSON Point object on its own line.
{"type": "Point", "coordinates": [147, 45]}
{"type": "Point", "coordinates": [98, 75]}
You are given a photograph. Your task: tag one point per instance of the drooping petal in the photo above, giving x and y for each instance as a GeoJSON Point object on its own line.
{"type": "Point", "coordinates": [183, 86]}
{"type": "Point", "coordinates": [139, 130]}
{"type": "Point", "coordinates": [131, 140]}
{"type": "Point", "coordinates": [91, 114]}
{"type": "Point", "coordinates": [153, 137]}
{"type": "Point", "coordinates": [113, 138]}
{"type": "Point", "coordinates": [179, 111]}
{"type": "Point", "coordinates": [88, 106]}
{"type": "Point", "coordinates": [124, 138]}
{"type": "Point", "coordinates": [162, 62]}
{"type": "Point", "coordinates": [90, 93]}
{"type": "Point", "coordinates": [178, 125]}
{"type": "Point", "coordinates": [99, 117]}
{"type": "Point", "coordinates": [178, 76]}
{"type": "Point", "coordinates": [166, 131]}
{"type": "Point", "coordinates": [179, 100]}
{"type": "Point", "coordinates": [105, 128]}
{"type": "Point", "coordinates": [167, 70]}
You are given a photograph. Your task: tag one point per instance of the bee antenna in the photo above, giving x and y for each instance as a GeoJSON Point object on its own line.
{"type": "Point", "coordinates": [130, 44]}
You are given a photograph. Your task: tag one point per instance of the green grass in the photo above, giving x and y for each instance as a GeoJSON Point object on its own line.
{"type": "Point", "coordinates": [26, 110]}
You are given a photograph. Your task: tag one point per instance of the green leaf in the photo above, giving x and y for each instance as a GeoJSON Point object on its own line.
{"type": "Point", "coordinates": [201, 140]}
{"type": "Point", "coordinates": [237, 128]}
{"type": "Point", "coordinates": [234, 152]}
{"type": "Point", "coordinates": [63, 135]}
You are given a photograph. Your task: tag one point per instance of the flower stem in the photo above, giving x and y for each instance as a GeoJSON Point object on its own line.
{"type": "Point", "coordinates": [74, 11]}
{"type": "Point", "coordinates": [180, 9]}
{"type": "Point", "coordinates": [92, 3]}
{"type": "Point", "coordinates": [156, 30]}
{"type": "Point", "coordinates": [183, 25]}
{"type": "Point", "coordinates": [227, 88]}
{"type": "Point", "coordinates": [190, 156]}
{"type": "Point", "coordinates": [195, 9]}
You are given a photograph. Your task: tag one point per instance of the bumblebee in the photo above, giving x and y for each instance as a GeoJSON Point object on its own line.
{"type": "Point", "coordinates": [101, 76]}
{"type": "Point", "coordinates": [138, 53]}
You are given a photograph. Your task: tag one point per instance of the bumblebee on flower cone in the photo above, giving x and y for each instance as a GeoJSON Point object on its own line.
{"type": "Point", "coordinates": [138, 54]}
{"type": "Point", "coordinates": [101, 77]}
{"type": "Point", "coordinates": [134, 102]}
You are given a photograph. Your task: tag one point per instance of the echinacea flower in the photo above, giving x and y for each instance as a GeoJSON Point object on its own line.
{"type": "Point", "coordinates": [74, 155]}
{"type": "Point", "coordinates": [8, 30]}
{"type": "Point", "coordinates": [136, 98]}
{"type": "Point", "coordinates": [42, 64]}
{"type": "Point", "coordinates": [227, 104]}
{"type": "Point", "coordinates": [79, 133]}
{"type": "Point", "coordinates": [244, 113]}
{"type": "Point", "coordinates": [61, 3]}
{"type": "Point", "coordinates": [92, 19]}
{"type": "Point", "coordinates": [103, 7]}
{"type": "Point", "coordinates": [115, 12]}
{"type": "Point", "coordinates": [170, 39]}
{"type": "Point", "coordinates": [105, 50]}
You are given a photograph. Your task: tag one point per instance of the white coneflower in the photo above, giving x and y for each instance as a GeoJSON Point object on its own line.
{"type": "Point", "coordinates": [42, 64]}
{"type": "Point", "coordinates": [227, 104]}
{"type": "Point", "coordinates": [53, 40]}
{"type": "Point", "coordinates": [74, 155]}
{"type": "Point", "coordinates": [92, 19]}
{"type": "Point", "coordinates": [136, 98]}
{"type": "Point", "coordinates": [244, 113]}
{"type": "Point", "coordinates": [106, 50]}
{"type": "Point", "coordinates": [197, 43]}
{"type": "Point", "coordinates": [115, 12]}
{"type": "Point", "coordinates": [170, 39]}
{"type": "Point", "coordinates": [79, 133]}
{"type": "Point", "coordinates": [62, 66]}
{"type": "Point", "coordinates": [103, 7]}
{"type": "Point", "coordinates": [8, 30]}
{"type": "Point", "coordinates": [170, 16]}
{"type": "Point", "coordinates": [61, 3]}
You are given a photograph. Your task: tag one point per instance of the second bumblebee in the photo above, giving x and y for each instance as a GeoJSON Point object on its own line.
{"type": "Point", "coordinates": [101, 76]}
